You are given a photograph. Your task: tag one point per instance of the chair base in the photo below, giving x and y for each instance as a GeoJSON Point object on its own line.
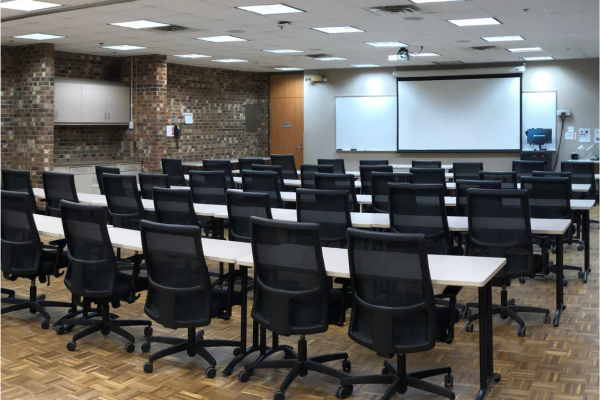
{"type": "Point", "coordinates": [195, 344]}
{"type": "Point", "coordinates": [9, 292]}
{"type": "Point", "coordinates": [399, 380]}
{"type": "Point", "coordinates": [301, 366]}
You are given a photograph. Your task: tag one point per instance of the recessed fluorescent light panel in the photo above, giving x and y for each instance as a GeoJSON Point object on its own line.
{"type": "Point", "coordinates": [141, 24]}
{"type": "Point", "coordinates": [331, 59]}
{"type": "Point", "coordinates": [387, 44]}
{"type": "Point", "coordinates": [289, 69]}
{"type": "Point", "coordinates": [525, 49]}
{"type": "Point", "coordinates": [475, 21]}
{"type": "Point", "coordinates": [230, 60]}
{"type": "Point", "coordinates": [28, 5]}
{"type": "Point", "coordinates": [538, 58]}
{"type": "Point", "coordinates": [424, 55]}
{"type": "Point", "coordinates": [365, 65]}
{"type": "Point", "coordinates": [222, 39]}
{"type": "Point", "coordinates": [271, 9]}
{"type": "Point", "coordinates": [503, 38]}
{"type": "Point", "coordinates": [191, 56]}
{"type": "Point", "coordinates": [124, 47]}
{"type": "Point", "coordinates": [38, 36]}
{"type": "Point", "coordinates": [339, 29]}
{"type": "Point", "coordinates": [283, 51]}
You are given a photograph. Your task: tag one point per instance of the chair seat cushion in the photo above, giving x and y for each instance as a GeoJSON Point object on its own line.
{"type": "Point", "coordinates": [48, 261]}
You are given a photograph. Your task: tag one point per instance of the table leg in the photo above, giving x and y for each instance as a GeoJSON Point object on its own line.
{"type": "Point", "coordinates": [586, 245]}
{"type": "Point", "coordinates": [486, 342]}
{"type": "Point", "coordinates": [559, 279]}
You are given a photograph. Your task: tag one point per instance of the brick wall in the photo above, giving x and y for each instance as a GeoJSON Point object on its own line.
{"type": "Point", "coordinates": [8, 107]}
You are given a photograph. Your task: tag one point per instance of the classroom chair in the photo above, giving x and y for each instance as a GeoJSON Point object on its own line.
{"type": "Point", "coordinates": [430, 175]}
{"type": "Point", "coordinates": [247, 162]}
{"type": "Point", "coordinates": [426, 164]}
{"type": "Point", "coordinates": [508, 180]}
{"type": "Point", "coordinates": [174, 169]}
{"type": "Point", "coordinates": [124, 201]}
{"type": "Point", "coordinates": [466, 170]}
{"type": "Point", "coordinates": [15, 180]}
{"type": "Point", "coordinates": [220, 165]}
{"type": "Point", "coordinates": [263, 182]}
{"type": "Point", "coordinates": [338, 164]}
{"type": "Point", "coordinates": [374, 162]}
{"type": "Point", "coordinates": [58, 186]}
{"type": "Point", "coordinates": [101, 169]}
{"type": "Point", "coordinates": [365, 175]}
{"type": "Point", "coordinates": [339, 182]}
{"type": "Point", "coordinates": [526, 167]}
{"type": "Point", "coordinates": [150, 181]}
{"type": "Point", "coordinates": [287, 163]}
{"type": "Point", "coordinates": [307, 174]}
{"type": "Point", "coordinates": [379, 188]}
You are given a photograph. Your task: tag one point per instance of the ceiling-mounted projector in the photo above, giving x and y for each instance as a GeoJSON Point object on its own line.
{"type": "Point", "coordinates": [401, 56]}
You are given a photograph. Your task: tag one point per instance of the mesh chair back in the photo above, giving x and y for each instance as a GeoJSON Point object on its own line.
{"type": "Point", "coordinates": [548, 197]}
{"type": "Point", "coordinates": [329, 209]}
{"type": "Point", "coordinates": [179, 289]}
{"type": "Point", "coordinates": [420, 208]}
{"type": "Point", "coordinates": [124, 202]}
{"type": "Point", "coordinates": [526, 167]}
{"type": "Point", "coordinates": [15, 180]}
{"type": "Point", "coordinates": [467, 170]}
{"type": "Point", "coordinates": [92, 264]}
{"type": "Point", "coordinates": [338, 164]}
{"type": "Point", "coordinates": [101, 169]}
{"type": "Point", "coordinates": [429, 175]}
{"type": "Point", "coordinates": [221, 165]}
{"type": "Point", "coordinates": [272, 168]}
{"type": "Point", "coordinates": [365, 175]}
{"type": "Point", "coordinates": [307, 174]}
{"type": "Point", "coordinates": [247, 162]}
{"type": "Point", "coordinates": [551, 174]}
{"type": "Point", "coordinates": [174, 206]}
{"type": "Point", "coordinates": [374, 162]}
{"type": "Point", "coordinates": [208, 187]}
{"type": "Point", "coordinates": [263, 182]}
{"type": "Point", "coordinates": [508, 180]}
{"type": "Point", "coordinates": [287, 163]}
{"type": "Point", "coordinates": [500, 226]}
{"type": "Point", "coordinates": [150, 181]}
{"type": "Point", "coordinates": [462, 185]}
{"type": "Point", "coordinates": [426, 164]}
{"type": "Point", "coordinates": [58, 186]}
{"type": "Point", "coordinates": [291, 291]}
{"type": "Point", "coordinates": [394, 307]}
{"type": "Point", "coordinates": [174, 170]}
{"type": "Point", "coordinates": [581, 173]}
{"type": "Point", "coordinates": [240, 207]}
{"type": "Point", "coordinates": [339, 182]}
{"type": "Point", "coordinates": [21, 245]}
{"type": "Point", "coordinates": [379, 188]}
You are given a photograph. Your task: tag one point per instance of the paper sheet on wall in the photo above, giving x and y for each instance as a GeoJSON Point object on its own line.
{"type": "Point", "coordinates": [584, 135]}
{"type": "Point", "coordinates": [570, 135]}
{"type": "Point", "coordinates": [189, 118]}
{"type": "Point", "coordinates": [170, 131]}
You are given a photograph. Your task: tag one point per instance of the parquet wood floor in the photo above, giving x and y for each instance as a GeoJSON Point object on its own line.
{"type": "Point", "coordinates": [548, 364]}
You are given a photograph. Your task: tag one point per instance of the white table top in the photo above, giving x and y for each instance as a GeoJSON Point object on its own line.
{"type": "Point", "coordinates": [444, 270]}
{"type": "Point", "coordinates": [584, 160]}
{"type": "Point", "coordinates": [49, 226]}
{"type": "Point", "coordinates": [199, 163]}
{"type": "Point", "coordinates": [576, 204]}
{"type": "Point", "coordinates": [576, 187]}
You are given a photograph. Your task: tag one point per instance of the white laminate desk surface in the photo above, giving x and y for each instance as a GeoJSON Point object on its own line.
{"type": "Point", "coordinates": [444, 270]}
{"type": "Point", "coordinates": [49, 226]}
{"type": "Point", "coordinates": [576, 187]}
{"type": "Point", "coordinates": [200, 164]}
{"type": "Point", "coordinates": [576, 204]}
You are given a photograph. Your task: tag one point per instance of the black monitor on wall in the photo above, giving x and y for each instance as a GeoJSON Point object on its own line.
{"type": "Point", "coordinates": [539, 136]}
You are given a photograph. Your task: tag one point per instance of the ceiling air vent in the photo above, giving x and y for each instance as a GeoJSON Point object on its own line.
{"type": "Point", "coordinates": [170, 28]}
{"type": "Point", "coordinates": [483, 48]}
{"type": "Point", "coordinates": [391, 10]}
{"type": "Point", "coordinates": [321, 55]}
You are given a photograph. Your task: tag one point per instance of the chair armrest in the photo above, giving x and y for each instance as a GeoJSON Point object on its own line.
{"type": "Point", "coordinates": [451, 296]}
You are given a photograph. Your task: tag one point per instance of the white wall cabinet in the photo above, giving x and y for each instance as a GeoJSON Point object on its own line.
{"type": "Point", "coordinates": [82, 102]}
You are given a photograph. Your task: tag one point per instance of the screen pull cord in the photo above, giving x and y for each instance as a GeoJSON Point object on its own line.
{"type": "Point", "coordinates": [562, 126]}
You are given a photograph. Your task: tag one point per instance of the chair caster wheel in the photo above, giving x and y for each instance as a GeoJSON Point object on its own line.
{"type": "Point", "coordinates": [237, 351]}
{"type": "Point", "coordinates": [148, 331]}
{"type": "Point", "coordinates": [146, 347]}
{"type": "Point", "coordinates": [384, 371]}
{"type": "Point", "coordinates": [71, 346]}
{"type": "Point", "coordinates": [32, 311]}
{"type": "Point", "coordinates": [580, 275]}
{"type": "Point", "coordinates": [243, 376]}
{"type": "Point", "coordinates": [210, 372]}
{"type": "Point", "coordinates": [200, 334]}
{"type": "Point", "coordinates": [129, 347]}
{"type": "Point", "coordinates": [279, 395]}
{"type": "Point", "coordinates": [580, 247]}
{"type": "Point", "coordinates": [469, 327]}
{"type": "Point", "coordinates": [448, 380]}
{"type": "Point", "coordinates": [344, 391]}
{"type": "Point", "coordinates": [565, 282]}
{"type": "Point", "coordinates": [346, 365]}
{"type": "Point", "coordinates": [467, 313]}
{"type": "Point", "coordinates": [547, 319]}
{"type": "Point", "coordinates": [521, 332]}
{"type": "Point", "coordinates": [45, 324]}
{"type": "Point", "coordinates": [148, 367]}
{"type": "Point", "coordinates": [522, 280]}
{"type": "Point", "coordinates": [60, 330]}
{"type": "Point", "coordinates": [191, 353]}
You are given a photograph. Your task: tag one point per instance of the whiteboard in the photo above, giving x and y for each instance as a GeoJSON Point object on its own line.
{"type": "Point", "coordinates": [539, 111]}
{"type": "Point", "coordinates": [366, 123]}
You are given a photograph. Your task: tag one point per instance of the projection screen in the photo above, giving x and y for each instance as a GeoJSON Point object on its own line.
{"type": "Point", "coordinates": [458, 113]}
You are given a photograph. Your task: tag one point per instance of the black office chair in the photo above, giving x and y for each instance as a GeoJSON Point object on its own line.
{"type": "Point", "coordinates": [431, 176]}
{"type": "Point", "coordinates": [287, 164]}
{"type": "Point", "coordinates": [180, 293]}
{"type": "Point", "coordinates": [220, 165]}
{"type": "Point", "coordinates": [263, 182]}
{"type": "Point", "coordinates": [292, 296]}
{"type": "Point", "coordinates": [24, 256]}
{"type": "Point", "coordinates": [374, 162]}
{"type": "Point", "coordinates": [463, 185]}
{"type": "Point", "coordinates": [174, 169]}
{"type": "Point", "coordinates": [551, 174]}
{"type": "Point", "coordinates": [240, 207]}
{"type": "Point", "coordinates": [174, 206]}
{"type": "Point", "coordinates": [395, 309]}
{"type": "Point", "coordinates": [507, 179]}
{"type": "Point", "coordinates": [511, 239]}
{"type": "Point", "coordinates": [209, 187]}
{"type": "Point", "coordinates": [526, 167]}
{"type": "Point", "coordinates": [550, 198]}
{"type": "Point", "coordinates": [58, 186]}
{"type": "Point", "coordinates": [338, 164]}
{"type": "Point", "coordinates": [101, 169]}
{"type": "Point", "coordinates": [581, 173]}
{"type": "Point", "coordinates": [15, 180]}
{"type": "Point", "coordinates": [365, 175]}
{"type": "Point", "coordinates": [426, 164]}
{"type": "Point", "coordinates": [307, 174]}
{"type": "Point", "coordinates": [93, 272]}
{"type": "Point", "coordinates": [247, 162]}
{"type": "Point", "coordinates": [150, 181]}
{"type": "Point", "coordinates": [466, 170]}
{"type": "Point", "coordinates": [339, 182]}
{"type": "Point", "coordinates": [272, 168]}
{"type": "Point", "coordinates": [379, 188]}
{"type": "Point", "coordinates": [124, 201]}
